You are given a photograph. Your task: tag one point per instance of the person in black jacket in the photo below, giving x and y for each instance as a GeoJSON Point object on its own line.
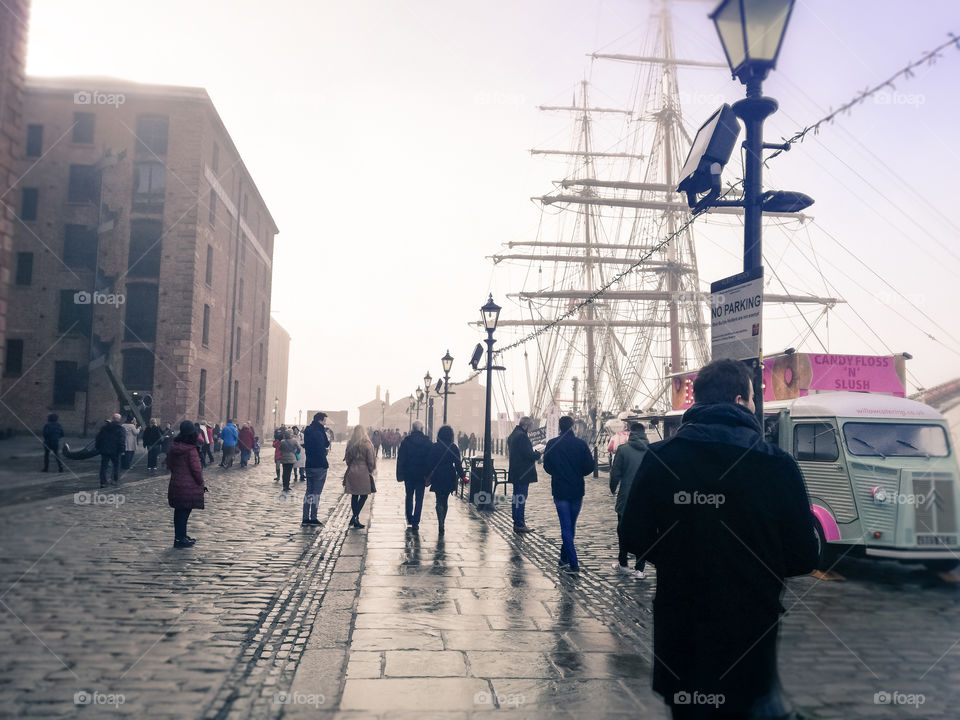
{"type": "Point", "coordinates": [110, 443]}
{"type": "Point", "coordinates": [446, 470]}
{"type": "Point", "coordinates": [152, 438]}
{"type": "Point", "coordinates": [567, 459]}
{"type": "Point", "coordinates": [315, 445]}
{"type": "Point", "coordinates": [523, 470]}
{"type": "Point", "coordinates": [52, 435]}
{"type": "Point", "coordinates": [412, 468]}
{"type": "Point", "coordinates": [725, 518]}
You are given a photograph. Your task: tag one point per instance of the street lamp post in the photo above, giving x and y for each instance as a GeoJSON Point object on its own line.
{"type": "Point", "coordinates": [490, 314]}
{"type": "Point", "coordinates": [751, 34]}
{"type": "Point", "coordinates": [419, 400]}
{"type": "Point", "coordinates": [447, 361]}
{"type": "Point", "coordinates": [410, 408]}
{"type": "Point", "coordinates": [427, 415]}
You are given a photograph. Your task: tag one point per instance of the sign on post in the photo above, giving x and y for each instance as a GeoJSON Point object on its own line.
{"type": "Point", "coordinates": [736, 312]}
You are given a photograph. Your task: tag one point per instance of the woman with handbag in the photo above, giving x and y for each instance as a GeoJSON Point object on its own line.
{"type": "Point", "coordinates": [358, 480]}
{"type": "Point", "coordinates": [289, 450]}
{"type": "Point", "coordinates": [446, 469]}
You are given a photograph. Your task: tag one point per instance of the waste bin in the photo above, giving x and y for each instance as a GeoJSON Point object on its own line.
{"type": "Point", "coordinates": [481, 491]}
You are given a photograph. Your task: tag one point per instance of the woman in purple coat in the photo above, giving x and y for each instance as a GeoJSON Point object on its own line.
{"type": "Point", "coordinates": [186, 489]}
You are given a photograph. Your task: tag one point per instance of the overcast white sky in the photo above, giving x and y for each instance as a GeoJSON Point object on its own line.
{"type": "Point", "coordinates": [389, 139]}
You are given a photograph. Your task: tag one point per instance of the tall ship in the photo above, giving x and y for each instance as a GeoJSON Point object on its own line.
{"type": "Point", "coordinates": [616, 312]}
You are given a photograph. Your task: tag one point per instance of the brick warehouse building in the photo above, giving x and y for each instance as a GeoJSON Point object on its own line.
{"type": "Point", "coordinates": [142, 245]}
{"type": "Point", "coordinates": [13, 52]}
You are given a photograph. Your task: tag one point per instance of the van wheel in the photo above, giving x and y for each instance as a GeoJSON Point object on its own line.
{"type": "Point", "coordinates": [940, 566]}
{"type": "Point", "coordinates": [824, 553]}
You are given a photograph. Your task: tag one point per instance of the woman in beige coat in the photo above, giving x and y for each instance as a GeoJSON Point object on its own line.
{"type": "Point", "coordinates": [358, 480]}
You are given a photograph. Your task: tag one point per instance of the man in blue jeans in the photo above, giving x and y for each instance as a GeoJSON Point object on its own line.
{"type": "Point", "coordinates": [522, 472]}
{"type": "Point", "coordinates": [567, 459]}
{"type": "Point", "coordinates": [315, 444]}
{"type": "Point", "coordinates": [412, 470]}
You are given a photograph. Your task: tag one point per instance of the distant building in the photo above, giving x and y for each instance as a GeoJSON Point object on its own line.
{"type": "Point", "coordinates": [13, 53]}
{"type": "Point", "coordinates": [278, 365]}
{"type": "Point", "coordinates": [336, 421]}
{"type": "Point", "coordinates": [143, 246]}
{"type": "Point", "coordinates": [465, 409]}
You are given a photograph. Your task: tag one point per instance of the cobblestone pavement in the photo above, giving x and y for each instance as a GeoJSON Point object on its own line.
{"type": "Point", "coordinates": [99, 613]}
{"type": "Point", "coordinates": [263, 619]}
{"type": "Point", "coordinates": [887, 628]}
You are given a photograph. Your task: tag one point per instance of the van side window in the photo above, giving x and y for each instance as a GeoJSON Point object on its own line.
{"type": "Point", "coordinates": [815, 441]}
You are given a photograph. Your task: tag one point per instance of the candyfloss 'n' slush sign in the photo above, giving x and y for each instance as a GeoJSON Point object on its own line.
{"type": "Point", "coordinates": [736, 313]}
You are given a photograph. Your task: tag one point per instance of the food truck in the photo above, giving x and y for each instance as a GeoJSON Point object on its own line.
{"type": "Point", "coordinates": [880, 471]}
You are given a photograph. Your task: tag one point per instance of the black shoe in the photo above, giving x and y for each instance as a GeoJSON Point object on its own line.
{"type": "Point", "coordinates": [357, 524]}
{"type": "Point", "coordinates": [183, 543]}
{"type": "Point", "coordinates": [316, 522]}
{"type": "Point", "coordinates": [415, 528]}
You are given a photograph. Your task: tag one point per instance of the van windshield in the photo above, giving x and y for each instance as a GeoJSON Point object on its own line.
{"type": "Point", "coordinates": [895, 439]}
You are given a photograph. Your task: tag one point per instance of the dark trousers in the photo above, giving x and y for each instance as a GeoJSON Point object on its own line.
{"type": "Point", "coordinates": [316, 477]}
{"type": "Point", "coordinates": [180, 516]}
{"type": "Point", "coordinates": [47, 450]}
{"type": "Point", "coordinates": [567, 511]}
{"type": "Point", "coordinates": [520, 491]}
{"type": "Point", "coordinates": [126, 459]}
{"type": "Point", "coordinates": [442, 499]}
{"type": "Point", "coordinates": [622, 554]}
{"type": "Point", "coordinates": [105, 461]}
{"type": "Point", "coordinates": [287, 467]}
{"type": "Point", "coordinates": [153, 454]}
{"type": "Point", "coordinates": [206, 453]}
{"type": "Point", "coordinates": [414, 500]}
{"type": "Point", "coordinates": [229, 452]}
{"type": "Point", "coordinates": [356, 504]}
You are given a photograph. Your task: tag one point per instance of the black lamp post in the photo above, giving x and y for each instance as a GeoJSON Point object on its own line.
{"type": "Point", "coordinates": [490, 314]}
{"type": "Point", "coordinates": [447, 361]}
{"type": "Point", "coordinates": [410, 408]}
{"type": "Point", "coordinates": [427, 415]}
{"type": "Point", "coordinates": [751, 33]}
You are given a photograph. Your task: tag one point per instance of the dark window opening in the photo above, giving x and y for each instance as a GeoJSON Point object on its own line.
{"type": "Point", "coordinates": [213, 207]}
{"type": "Point", "coordinates": [149, 186]}
{"type": "Point", "coordinates": [145, 247]}
{"type": "Point", "coordinates": [84, 185]}
{"type": "Point", "coordinates": [83, 127]}
{"type": "Point", "coordinates": [152, 134]}
{"type": "Point", "coordinates": [202, 403]}
{"type": "Point", "coordinates": [238, 344]}
{"type": "Point", "coordinates": [205, 337]}
{"type": "Point", "coordinates": [34, 140]}
{"type": "Point", "coordinates": [138, 370]}
{"type": "Point", "coordinates": [29, 200]}
{"type": "Point", "coordinates": [76, 312]}
{"type": "Point", "coordinates": [65, 383]}
{"type": "Point", "coordinates": [13, 359]}
{"type": "Point", "coordinates": [209, 272]}
{"type": "Point", "coordinates": [236, 398]}
{"type": "Point", "coordinates": [261, 358]}
{"type": "Point", "coordinates": [24, 268]}
{"type": "Point", "coordinates": [240, 298]}
{"type": "Point", "coordinates": [80, 247]}
{"type": "Point", "coordinates": [141, 315]}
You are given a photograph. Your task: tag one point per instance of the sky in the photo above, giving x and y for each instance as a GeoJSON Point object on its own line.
{"type": "Point", "coordinates": [390, 140]}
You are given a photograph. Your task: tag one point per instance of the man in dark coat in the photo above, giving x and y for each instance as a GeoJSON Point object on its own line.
{"type": "Point", "coordinates": [110, 443]}
{"type": "Point", "coordinates": [412, 468]}
{"type": "Point", "coordinates": [315, 445]}
{"type": "Point", "coordinates": [567, 459]}
{"type": "Point", "coordinates": [725, 518]}
{"type": "Point", "coordinates": [52, 435]}
{"type": "Point", "coordinates": [523, 470]}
